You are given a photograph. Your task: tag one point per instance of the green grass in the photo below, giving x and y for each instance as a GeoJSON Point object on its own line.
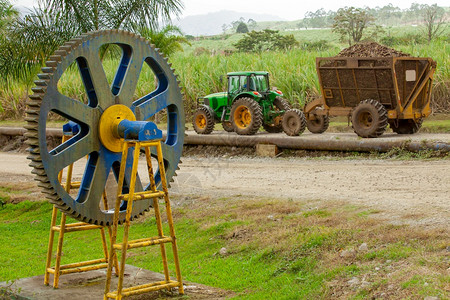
{"type": "Point", "coordinates": [293, 71]}
{"type": "Point", "coordinates": [294, 255]}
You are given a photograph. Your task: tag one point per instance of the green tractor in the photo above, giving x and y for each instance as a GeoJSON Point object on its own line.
{"type": "Point", "coordinates": [248, 104]}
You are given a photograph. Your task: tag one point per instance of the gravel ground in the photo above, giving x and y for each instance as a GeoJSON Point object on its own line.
{"type": "Point", "coordinates": [413, 192]}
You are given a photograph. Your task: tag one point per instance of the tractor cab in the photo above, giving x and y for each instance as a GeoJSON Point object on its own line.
{"type": "Point", "coordinates": [253, 83]}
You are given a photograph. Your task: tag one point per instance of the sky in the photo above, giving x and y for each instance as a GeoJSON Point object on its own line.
{"type": "Point", "coordinates": [286, 9]}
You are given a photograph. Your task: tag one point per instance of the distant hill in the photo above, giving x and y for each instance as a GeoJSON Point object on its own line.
{"type": "Point", "coordinates": [211, 24]}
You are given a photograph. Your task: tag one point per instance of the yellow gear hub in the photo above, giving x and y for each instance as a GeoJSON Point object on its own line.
{"type": "Point", "coordinates": [108, 124]}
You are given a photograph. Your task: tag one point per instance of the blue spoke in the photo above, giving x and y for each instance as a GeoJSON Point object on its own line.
{"type": "Point", "coordinates": [151, 104]}
{"type": "Point", "coordinates": [100, 83]}
{"type": "Point", "coordinates": [93, 182]}
{"type": "Point", "coordinates": [70, 152]}
{"type": "Point", "coordinates": [127, 76]}
{"type": "Point", "coordinates": [74, 110]}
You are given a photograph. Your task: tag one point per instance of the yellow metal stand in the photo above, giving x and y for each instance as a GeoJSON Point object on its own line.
{"type": "Point", "coordinates": [63, 228]}
{"type": "Point", "coordinates": [126, 244]}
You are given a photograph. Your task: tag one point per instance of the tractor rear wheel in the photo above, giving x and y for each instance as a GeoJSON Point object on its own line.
{"type": "Point", "coordinates": [369, 119]}
{"type": "Point", "coordinates": [227, 126]}
{"type": "Point", "coordinates": [406, 126]}
{"type": "Point", "coordinates": [246, 116]}
{"type": "Point", "coordinates": [319, 123]}
{"type": "Point", "coordinates": [277, 126]}
{"type": "Point", "coordinates": [294, 122]}
{"type": "Point", "coordinates": [203, 120]}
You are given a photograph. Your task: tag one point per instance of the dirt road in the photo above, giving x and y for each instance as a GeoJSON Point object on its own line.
{"type": "Point", "coordinates": [404, 191]}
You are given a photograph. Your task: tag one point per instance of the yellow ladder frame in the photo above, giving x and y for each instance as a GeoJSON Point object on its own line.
{"type": "Point", "coordinates": [154, 194]}
{"type": "Point", "coordinates": [63, 228]}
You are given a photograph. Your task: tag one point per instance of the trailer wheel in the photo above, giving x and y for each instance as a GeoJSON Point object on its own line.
{"type": "Point", "coordinates": [319, 124]}
{"type": "Point", "coordinates": [246, 116]}
{"type": "Point", "coordinates": [294, 122]}
{"type": "Point", "coordinates": [276, 127]}
{"type": "Point", "coordinates": [369, 119]}
{"type": "Point", "coordinates": [227, 126]}
{"type": "Point", "coordinates": [408, 126]}
{"type": "Point", "coordinates": [203, 120]}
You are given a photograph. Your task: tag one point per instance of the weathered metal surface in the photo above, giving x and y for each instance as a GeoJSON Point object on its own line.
{"type": "Point", "coordinates": [402, 84]}
{"type": "Point", "coordinates": [84, 52]}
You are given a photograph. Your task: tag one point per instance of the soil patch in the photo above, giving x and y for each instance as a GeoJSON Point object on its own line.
{"type": "Point", "coordinates": [370, 50]}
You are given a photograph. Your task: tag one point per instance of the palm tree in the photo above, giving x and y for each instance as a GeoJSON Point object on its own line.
{"type": "Point", "coordinates": [115, 14]}
{"type": "Point", "coordinates": [168, 39]}
{"type": "Point", "coordinates": [31, 40]}
{"type": "Point", "coordinates": [7, 14]}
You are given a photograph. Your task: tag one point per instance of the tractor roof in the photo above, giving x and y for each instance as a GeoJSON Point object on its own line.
{"type": "Point", "coordinates": [247, 73]}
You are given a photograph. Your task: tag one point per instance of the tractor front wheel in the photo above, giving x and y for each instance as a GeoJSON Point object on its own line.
{"type": "Point", "coordinates": [227, 126]}
{"type": "Point", "coordinates": [246, 116]}
{"type": "Point", "coordinates": [203, 120]}
{"type": "Point", "coordinates": [276, 126]}
{"type": "Point", "coordinates": [319, 123]}
{"type": "Point", "coordinates": [369, 119]}
{"type": "Point", "coordinates": [406, 126]}
{"type": "Point", "coordinates": [294, 122]}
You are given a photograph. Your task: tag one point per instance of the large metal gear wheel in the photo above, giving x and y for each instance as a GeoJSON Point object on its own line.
{"type": "Point", "coordinates": [84, 51]}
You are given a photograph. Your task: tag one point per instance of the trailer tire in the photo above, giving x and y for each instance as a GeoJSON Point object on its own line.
{"type": "Point", "coordinates": [203, 120]}
{"type": "Point", "coordinates": [369, 119]}
{"type": "Point", "coordinates": [294, 122]}
{"type": "Point", "coordinates": [276, 127]}
{"type": "Point", "coordinates": [246, 116]}
{"type": "Point", "coordinates": [227, 126]}
{"type": "Point", "coordinates": [319, 124]}
{"type": "Point", "coordinates": [406, 126]}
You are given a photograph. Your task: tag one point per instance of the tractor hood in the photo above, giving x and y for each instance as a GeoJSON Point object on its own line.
{"type": "Point", "coordinates": [216, 95]}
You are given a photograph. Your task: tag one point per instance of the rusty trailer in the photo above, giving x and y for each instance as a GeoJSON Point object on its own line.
{"type": "Point", "coordinates": [372, 92]}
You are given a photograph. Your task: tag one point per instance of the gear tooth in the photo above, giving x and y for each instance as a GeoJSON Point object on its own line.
{"type": "Point", "coordinates": [32, 142]}
{"type": "Point", "coordinates": [65, 48]}
{"type": "Point", "coordinates": [41, 82]}
{"type": "Point", "coordinates": [39, 172]}
{"type": "Point", "coordinates": [33, 103]}
{"type": "Point", "coordinates": [56, 58]}
{"type": "Point", "coordinates": [32, 111]}
{"type": "Point", "coordinates": [43, 76]}
{"type": "Point", "coordinates": [43, 179]}
{"type": "Point", "coordinates": [34, 157]}
{"type": "Point", "coordinates": [30, 127]}
{"type": "Point", "coordinates": [52, 197]}
{"type": "Point", "coordinates": [45, 185]}
{"type": "Point", "coordinates": [61, 52]}
{"type": "Point", "coordinates": [31, 119]}
{"type": "Point", "coordinates": [38, 89]}
{"type": "Point", "coordinates": [172, 180]}
{"type": "Point", "coordinates": [33, 150]}
{"type": "Point", "coordinates": [51, 63]}
{"type": "Point", "coordinates": [47, 70]}
{"type": "Point", "coordinates": [49, 191]}
{"type": "Point", "coordinates": [37, 165]}
{"type": "Point", "coordinates": [36, 96]}
{"type": "Point", "coordinates": [31, 134]}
